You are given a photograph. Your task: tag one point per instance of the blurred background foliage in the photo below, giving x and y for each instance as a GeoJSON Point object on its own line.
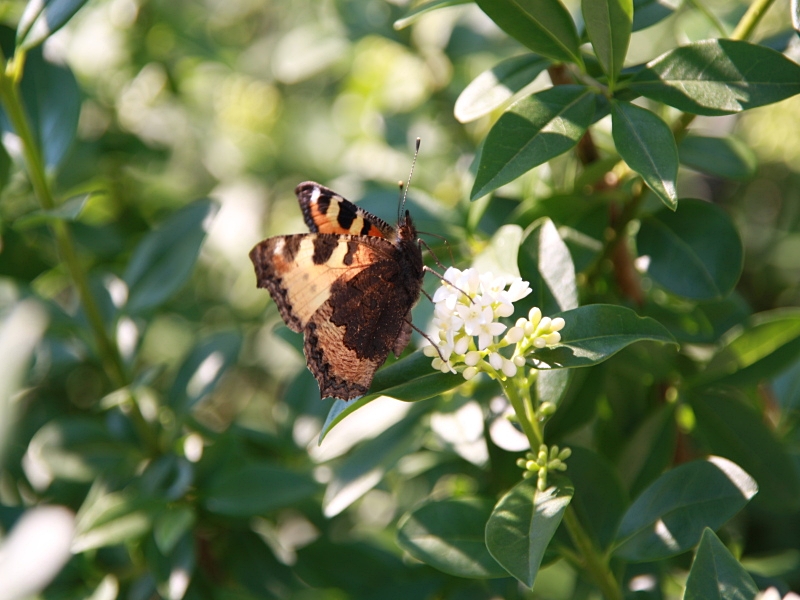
{"type": "Point", "coordinates": [238, 101]}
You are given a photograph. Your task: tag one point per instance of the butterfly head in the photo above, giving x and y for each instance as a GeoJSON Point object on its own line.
{"type": "Point", "coordinates": [406, 231]}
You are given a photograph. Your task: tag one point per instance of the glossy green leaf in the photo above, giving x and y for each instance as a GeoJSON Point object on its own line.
{"type": "Point", "coordinates": [608, 24]}
{"type": "Point", "coordinates": [68, 211]}
{"type": "Point", "coordinates": [730, 427]}
{"type": "Point", "coordinates": [595, 332]}
{"type": "Point", "coordinates": [796, 15]}
{"type": "Point", "coordinates": [760, 348]}
{"type": "Point", "coordinates": [718, 77]}
{"type": "Point", "coordinates": [694, 252]}
{"type": "Point", "coordinates": [724, 157]}
{"type": "Point", "coordinates": [599, 500]}
{"type": "Point", "coordinates": [546, 263]}
{"type": "Point", "coordinates": [493, 88]}
{"type": "Point", "coordinates": [245, 490]}
{"type": "Point", "coordinates": [532, 131]}
{"type": "Point", "coordinates": [164, 259]}
{"type": "Point", "coordinates": [499, 257]}
{"type": "Point", "coordinates": [421, 8]}
{"type": "Point", "coordinates": [203, 368]}
{"type": "Point", "coordinates": [42, 18]}
{"type": "Point", "coordinates": [646, 143]}
{"type": "Point", "coordinates": [544, 26]}
{"type": "Point", "coordinates": [522, 524]}
{"type": "Point", "coordinates": [552, 385]}
{"type": "Point", "coordinates": [171, 525]}
{"type": "Point", "coordinates": [786, 387]}
{"type": "Point", "coordinates": [716, 574]}
{"type": "Point", "coordinates": [450, 536]}
{"type": "Point", "coordinates": [365, 467]}
{"type": "Point", "coordinates": [410, 379]}
{"type": "Point", "coordinates": [650, 12]}
{"type": "Point", "coordinates": [669, 516]}
{"type": "Point", "coordinates": [51, 100]}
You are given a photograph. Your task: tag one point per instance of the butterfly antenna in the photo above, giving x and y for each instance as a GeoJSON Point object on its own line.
{"type": "Point", "coordinates": [408, 183]}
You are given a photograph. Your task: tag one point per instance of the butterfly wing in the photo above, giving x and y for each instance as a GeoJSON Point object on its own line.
{"type": "Point", "coordinates": [325, 211]}
{"type": "Point", "coordinates": [349, 295]}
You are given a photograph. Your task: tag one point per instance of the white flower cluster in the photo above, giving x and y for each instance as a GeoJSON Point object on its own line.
{"type": "Point", "coordinates": [468, 306]}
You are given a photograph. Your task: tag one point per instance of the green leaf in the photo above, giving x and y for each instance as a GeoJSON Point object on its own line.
{"type": "Point", "coordinates": [718, 77]}
{"type": "Point", "coordinates": [51, 100]}
{"type": "Point", "coordinates": [733, 429]}
{"type": "Point", "coordinates": [716, 574]}
{"type": "Point", "coordinates": [493, 88]}
{"type": "Point", "coordinates": [595, 332]}
{"type": "Point", "coordinates": [546, 263]}
{"type": "Point", "coordinates": [42, 18]}
{"type": "Point", "coordinates": [650, 449]}
{"type": "Point", "coordinates": [544, 26]}
{"type": "Point", "coordinates": [420, 9]}
{"type": "Point", "coordinates": [599, 499]}
{"type": "Point", "coordinates": [365, 467]}
{"type": "Point", "coordinates": [410, 379]}
{"type": "Point", "coordinates": [164, 259]}
{"type": "Point", "coordinates": [727, 157]}
{"type": "Point", "coordinates": [110, 518]}
{"type": "Point", "coordinates": [252, 489]}
{"type": "Point", "coordinates": [670, 515]}
{"type": "Point", "coordinates": [531, 132]}
{"type": "Point", "coordinates": [694, 252]}
{"type": "Point", "coordinates": [68, 211]}
{"type": "Point", "coordinates": [761, 348]}
{"type": "Point", "coordinates": [650, 12]}
{"type": "Point", "coordinates": [646, 143]}
{"type": "Point", "coordinates": [449, 535]}
{"type": "Point", "coordinates": [203, 368]}
{"type": "Point", "coordinates": [796, 16]}
{"type": "Point", "coordinates": [608, 24]}
{"type": "Point", "coordinates": [171, 525]}
{"type": "Point", "coordinates": [80, 449]}
{"type": "Point", "coordinates": [499, 257]}
{"type": "Point", "coordinates": [522, 524]}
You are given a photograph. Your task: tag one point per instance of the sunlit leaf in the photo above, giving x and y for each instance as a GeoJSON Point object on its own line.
{"type": "Point", "coordinates": [415, 12]}
{"type": "Point", "coordinates": [42, 18]}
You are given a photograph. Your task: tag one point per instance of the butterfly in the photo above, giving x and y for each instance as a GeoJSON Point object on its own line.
{"type": "Point", "coordinates": [348, 286]}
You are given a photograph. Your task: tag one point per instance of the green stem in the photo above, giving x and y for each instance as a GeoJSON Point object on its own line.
{"type": "Point", "coordinates": [750, 19]}
{"type": "Point", "coordinates": [594, 563]}
{"type": "Point", "coordinates": [523, 407]}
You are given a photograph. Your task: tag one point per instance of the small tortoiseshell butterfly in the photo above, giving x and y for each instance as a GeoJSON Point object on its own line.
{"type": "Point", "coordinates": [349, 286]}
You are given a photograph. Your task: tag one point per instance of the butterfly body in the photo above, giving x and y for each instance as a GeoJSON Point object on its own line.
{"type": "Point", "coordinates": [348, 286]}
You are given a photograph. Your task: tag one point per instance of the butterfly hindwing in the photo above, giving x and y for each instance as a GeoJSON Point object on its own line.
{"type": "Point", "coordinates": [325, 211]}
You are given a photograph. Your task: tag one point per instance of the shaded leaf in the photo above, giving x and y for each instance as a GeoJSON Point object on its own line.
{"type": "Point", "coordinates": [255, 489]}
{"type": "Point", "coordinates": [544, 26]}
{"type": "Point", "coordinates": [760, 348]}
{"type": "Point", "coordinates": [716, 574]}
{"type": "Point", "coordinates": [493, 88]}
{"type": "Point", "coordinates": [718, 77]}
{"type": "Point", "coordinates": [164, 259]}
{"type": "Point", "coordinates": [522, 524]}
{"type": "Point", "coordinates": [171, 525]}
{"type": "Point", "coordinates": [608, 24]}
{"type": "Point", "coordinates": [68, 211]}
{"type": "Point", "coordinates": [733, 429]}
{"type": "Point", "coordinates": [650, 12]}
{"type": "Point", "coordinates": [450, 536]}
{"type": "Point", "coordinates": [669, 516]}
{"type": "Point", "coordinates": [595, 332]}
{"type": "Point", "coordinates": [646, 143]}
{"type": "Point", "coordinates": [649, 450]}
{"type": "Point", "coordinates": [532, 131]}
{"type": "Point", "coordinates": [694, 252]}
{"type": "Point", "coordinates": [42, 18]}
{"type": "Point", "coordinates": [727, 157]}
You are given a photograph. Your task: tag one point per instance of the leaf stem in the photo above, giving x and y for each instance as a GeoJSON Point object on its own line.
{"type": "Point", "coordinates": [751, 18]}
{"type": "Point", "coordinates": [593, 561]}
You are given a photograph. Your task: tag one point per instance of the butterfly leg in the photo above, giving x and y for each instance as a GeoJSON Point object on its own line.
{"type": "Point", "coordinates": [440, 276]}
{"type": "Point", "coordinates": [427, 337]}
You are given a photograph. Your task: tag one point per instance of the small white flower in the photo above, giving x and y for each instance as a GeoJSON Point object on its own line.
{"type": "Point", "coordinates": [509, 368]}
{"type": "Point", "coordinates": [486, 333]}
